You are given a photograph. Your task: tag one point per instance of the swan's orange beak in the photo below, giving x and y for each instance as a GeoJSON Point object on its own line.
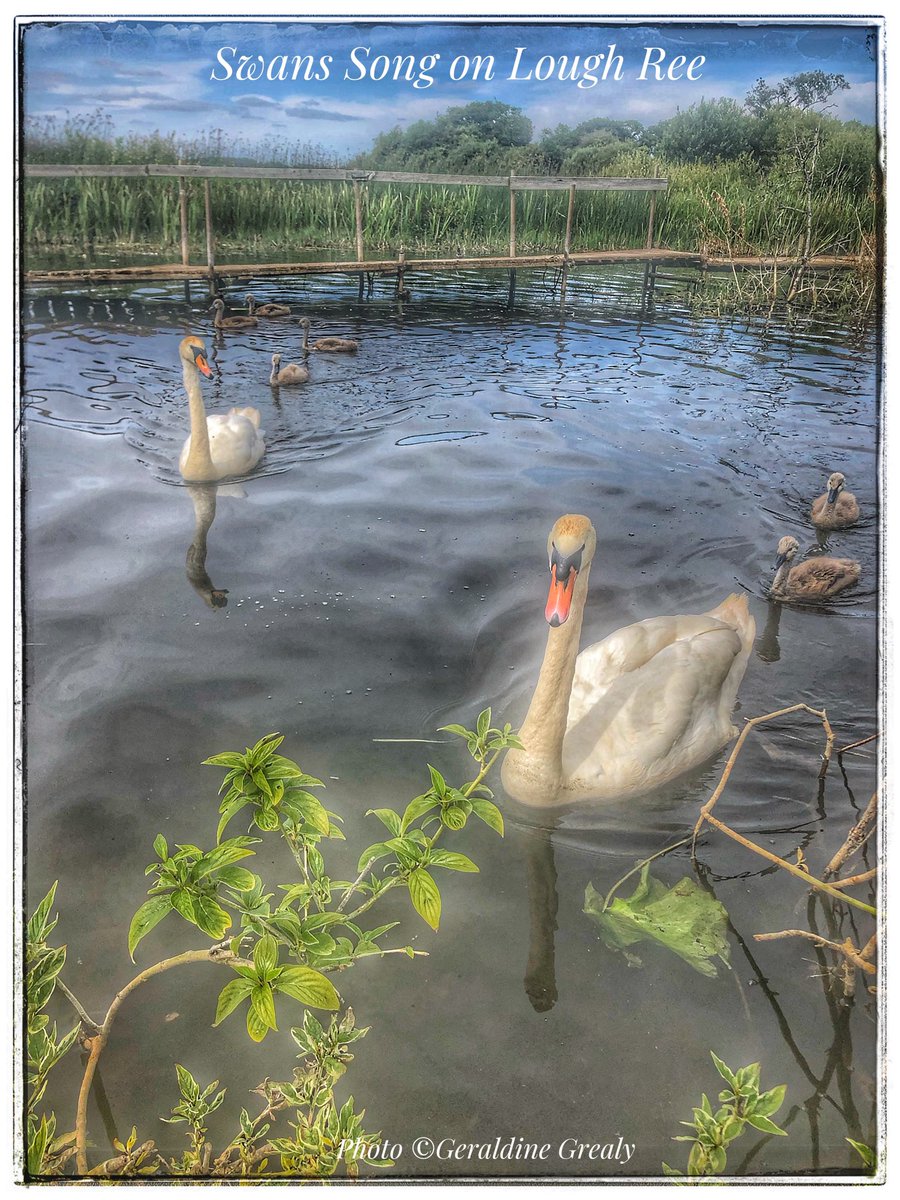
{"type": "Point", "coordinates": [560, 599]}
{"type": "Point", "coordinates": [202, 364]}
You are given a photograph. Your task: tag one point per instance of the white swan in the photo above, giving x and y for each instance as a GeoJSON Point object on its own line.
{"type": "Point", "coordinates": [224, 444]}
{"type": "Point", "coordinates": [647, 704]}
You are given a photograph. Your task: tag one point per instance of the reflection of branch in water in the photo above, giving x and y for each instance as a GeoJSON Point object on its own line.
{"type": "Point", "coordinates": [838, 1058]}
{"type": "Point", "coordinates": [767, 647]}
{"type": "Point", "coordinates": [543, 903]}
{"type": "Point", "coordinates": [203, 497]}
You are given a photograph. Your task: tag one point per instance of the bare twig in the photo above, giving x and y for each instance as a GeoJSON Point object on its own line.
{"type": "Point", "coordinates": [849, 951]}
{"type": "Point", "coordinates": [87, 1021]}
{"type": "Point", "coordinates": [853, 745]}
{"type": "Point", "coordinates": [855, 838]}
{"type": "Point", "coordinates": [855, 879]}
{"type": "Point", "coordinates": [706, 810]}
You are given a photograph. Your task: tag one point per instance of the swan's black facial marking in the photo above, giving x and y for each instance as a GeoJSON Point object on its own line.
{"type": "Point", "coordinates": [565, 563]}
{"type": "Point", "coordinates": [564, 570]}
{"type": "Point", "coordinates": [199, 353]}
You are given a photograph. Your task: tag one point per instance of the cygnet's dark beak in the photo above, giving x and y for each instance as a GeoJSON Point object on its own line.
{"type": "Point", "coordinates": [833, 494]}
{"type": "Point", "coordinates": [780, 561]}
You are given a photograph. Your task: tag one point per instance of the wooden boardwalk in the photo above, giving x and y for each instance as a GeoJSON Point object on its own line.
{"type": "Point", "coordinates": [589, 258]}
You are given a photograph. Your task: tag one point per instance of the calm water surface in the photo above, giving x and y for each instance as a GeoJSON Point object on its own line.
{"type": "Point", "coordinates": [386, 573]}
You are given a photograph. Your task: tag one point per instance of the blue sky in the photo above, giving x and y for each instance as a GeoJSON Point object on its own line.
{"type": "Point", "coordinates": [149, 75]}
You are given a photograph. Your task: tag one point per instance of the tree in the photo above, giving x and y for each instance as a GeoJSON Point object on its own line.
{"type": "Point", "coordinates": [808, 90]}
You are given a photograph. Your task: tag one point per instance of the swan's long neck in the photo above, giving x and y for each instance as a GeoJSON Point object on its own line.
{"type": "Point", "coordinates": [306, 339]}
{"type": "Point", "coordinates": [535, 774]}
{"type": "Point", "coordinates": [199, 462]}
{"type": "Point", "coordinates": [779, 583]}
{"type": "Point", "coordinates": [273, 378]}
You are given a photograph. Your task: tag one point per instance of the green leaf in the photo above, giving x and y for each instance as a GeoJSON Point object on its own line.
{"type": "Point", "coordinates": [302, 806]}
{"type": "Point", "coordinates": [372, 854]}
{"type": "Point", "coordinates": [39, 926]}
{"type": "Point", "coordinates": [770, 1102]}
{"type": "Point", "coordinates": [237, 877]}
{"type": "Point", "coordinates": [866, 1153]}
{"type": "Point", "coordinates": [727, 1074]}
{"type": "Point", "coordinates": [265, 956]}
{"type": "Point", "coordinates": [483, 723]}
{"type": "Point", "coordinates": [489, 813]}
{"type": "Point", "coordinates": [309, 987]}
{"type": "Point", "coordinates": [451, 860]}
{"type": "Point", "coordinates": [387, 817]}
{"type": "Point", "coordinates": [438, 782]}
{"type": "Point", "coordinates": [231, 995]}
{"type": "Point", "coordinates": [764, 1125]}
{"type": "Point", "coordinates": [685, 919]}
{"type": "Point", "coordinates": [262, 1002]}
{"type": "Point", "coordinates": [459, 730]}
{"type": "Point", "coordinates": [255, 1027]}
{"type": "Point", "coordinates": [229, 810]}
{"type": "Point", "coordinates": [416, 808]}
{"type": "Point", "coordinates": [146, 918]}
{"type": "Point", "coordinates": [225, 854]}
{"type": "Point", "coordinates": [187, 1084]}
{"type": "Point", "coordinates": [227, 759]}
{"type": "Point", "coordinates": [161, 846]}
{"type": "Point", "coordinates": [426, 898]}
{"type": "Point", "coordinates": [210, 917]}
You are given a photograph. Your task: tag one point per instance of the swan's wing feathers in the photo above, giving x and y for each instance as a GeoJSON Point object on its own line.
{"type": "Point", "coordinates": [626, 650]}
{"type": "Point", "coordinates": [660, 718]}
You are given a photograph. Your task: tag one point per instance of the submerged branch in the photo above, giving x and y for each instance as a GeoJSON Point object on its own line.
{"type": "Point", "coordinates": [856, 837]}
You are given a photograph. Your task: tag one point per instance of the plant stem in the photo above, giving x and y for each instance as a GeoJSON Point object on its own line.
{"type": "Point", "coordinates": [213, 954]}
{"type": "Point", "coordinates": [638, 867]}
{"type": "Point", "coordinates": [87, 1021]}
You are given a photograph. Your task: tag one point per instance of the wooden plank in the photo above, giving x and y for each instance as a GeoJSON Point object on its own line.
{"type": "Point", "coordinates": [210, 240]}
{"type": "Point", "coordinates": [357, 210]}
{"type": "Point", "coordinates": [512, 217]}
{"type": "Point", "coordinates": [570, 216]}
{"type": "Point", "coordinates": [384, 266]}
{"type": "Point", "coordinates": [332, 175]}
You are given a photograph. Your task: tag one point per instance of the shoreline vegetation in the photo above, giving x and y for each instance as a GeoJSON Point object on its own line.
{"type": "Point", "coordinates": [777, 177]}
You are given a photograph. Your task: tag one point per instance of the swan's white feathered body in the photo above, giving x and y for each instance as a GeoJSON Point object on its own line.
{"type": "Point", "coordinates": [647, 704]}
{"type": "Point", "coordinates": [652, 701]}
{"type": "Point", "coordinates": [222, 444]}
{"type": "Point", "coordinates": [235, 443]}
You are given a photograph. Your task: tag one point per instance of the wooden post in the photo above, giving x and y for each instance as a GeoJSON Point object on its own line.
{"type": "Point", "coordinates": [567, 245]}
{"type": "Point", "coordinates": [185, 241]}
{"type": "Point", "coordinates": [210, 242]}
{"type": "Point", "coordinates": [401, 268]}
{"type": "Point", "coordinates": [183, 208]}
{"type": "Point", "coordinates": [652, 217]}
{"type": "Point", "coordinates": [512, 217]}
{"type": "Point", "coordinates": [357, 205]}
{"type": "Point", "coordinates": [569, 218]}
{"type": "Point", "coordinates": [360, 249]}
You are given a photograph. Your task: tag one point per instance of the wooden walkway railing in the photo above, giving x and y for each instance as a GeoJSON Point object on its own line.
{"type": "Point", "coordinates": [358, 180]}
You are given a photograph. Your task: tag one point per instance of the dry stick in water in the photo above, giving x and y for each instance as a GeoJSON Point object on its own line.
{"type": "Point", "coordinates": [855, 838]}
{"type": "Point", "coordinates": [214, 954]}
{"type": "Point", "coordinates": [853, 745]}
{"type": "Point", "coordinates": [853, 880]}
{"type": "Point", "coordinates": [859, 958]}
{"type": "Point", "coordinates": [706, 810]}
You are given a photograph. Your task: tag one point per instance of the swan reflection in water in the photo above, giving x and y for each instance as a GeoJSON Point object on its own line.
{"type": "Point", "coordinates": [543, 905]}
{"type": "Point", "coordinates": [204, 496]}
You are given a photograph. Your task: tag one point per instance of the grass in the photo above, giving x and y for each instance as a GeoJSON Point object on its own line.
{"type": "Point", "coordinates": [726, 209]}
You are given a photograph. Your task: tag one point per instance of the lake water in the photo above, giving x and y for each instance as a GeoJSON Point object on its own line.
{"type": "Point", "coordinates": [386, 574]}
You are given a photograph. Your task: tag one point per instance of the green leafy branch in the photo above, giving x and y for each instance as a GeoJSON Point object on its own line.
{"type": "Point", "coordinates": [742, 1104]}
